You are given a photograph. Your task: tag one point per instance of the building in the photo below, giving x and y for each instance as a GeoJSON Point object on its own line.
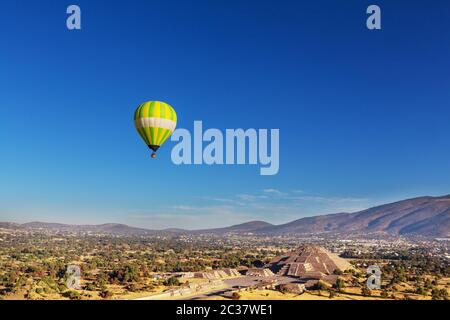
{"type": "Point", "coordinates": [297, 288]}
{"type": "Point", "coordinates": [256, 272]}
{"type": "Point", "coordinates": [308, 262]}
{"type": "Point", "coordinates": [214, 274]}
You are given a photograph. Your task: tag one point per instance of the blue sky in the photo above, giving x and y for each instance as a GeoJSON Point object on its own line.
{"type": "Point", "coordinates": [363, 115]}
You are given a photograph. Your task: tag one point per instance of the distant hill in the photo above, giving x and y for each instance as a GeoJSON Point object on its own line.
{"type": "Point", "coordinates": [9, 225]}
{"type": "Point", "coordinates": [109, 228]}
{"type": "Point", "coordinates": [248, 227]}
{"type": "Point", "coordinates": [424, 216]}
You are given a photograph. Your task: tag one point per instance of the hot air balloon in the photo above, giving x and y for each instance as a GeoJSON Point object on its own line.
{"type": "Point", "coordinates": [155, 121]}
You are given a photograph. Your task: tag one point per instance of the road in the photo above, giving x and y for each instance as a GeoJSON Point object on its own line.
{"type": "Point", "coordinates": [237, 283]}
{"type": "Point", "coordinates": [230, 284]}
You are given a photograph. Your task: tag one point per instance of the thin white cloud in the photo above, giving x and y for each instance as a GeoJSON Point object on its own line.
{"type": "Point", "coordinates": [250, 197]}
{"type": "Point", "coordinates": [274, 191]}
{"type": "Point", "coordinates": [272, 205]}
{"type": "Point", "coordinates": [198, 218]}
{"type": "Point", "coordinates": [330, 199]}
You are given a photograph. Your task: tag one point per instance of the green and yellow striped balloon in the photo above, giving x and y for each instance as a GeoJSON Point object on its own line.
{"type": "Point", "coordinates": [155, 121]}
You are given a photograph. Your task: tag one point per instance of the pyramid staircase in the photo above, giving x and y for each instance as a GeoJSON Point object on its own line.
{"type": "Point", "coordinates": [283, 271]}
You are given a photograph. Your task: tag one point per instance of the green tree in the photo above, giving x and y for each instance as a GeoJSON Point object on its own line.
{"type": "Point", "coordinates": [90, 287]}
{"type": "Point", "coordinates": [340, 284]}
{"type": "Point", "coordinates": [437, 294]}
{"type": "Point", "coordinates": [366, 292]}
{"type": "Point", "coordinates": [106, 294]}
{"type": "Point", "coordinates": [172, 281]}
{"type": "Point", "coordinates": [444, 294]}
{"type": "Point", "coordinates": [421, 290]}
{"type": "Point", "coordinates": [320, 285]}
{"type": "Point", "coordinates": [235, 296]}
{"type": "Point", "coordinates": [72, 295]}
{"type": "Point", "coordinates": [332, 294]}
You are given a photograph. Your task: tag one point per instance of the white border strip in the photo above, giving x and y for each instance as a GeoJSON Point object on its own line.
{"type": "Point", "coordinates": [155, 123]}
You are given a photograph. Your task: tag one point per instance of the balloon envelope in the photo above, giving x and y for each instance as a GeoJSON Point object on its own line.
{"type": "Point", "coordinates": [155, 121]}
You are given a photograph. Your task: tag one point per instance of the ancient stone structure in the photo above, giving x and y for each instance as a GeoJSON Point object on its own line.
{"type": "Point", "coordinates": [309, 262]}
{"type": "Point", "coordinates": [212, 274]}
{"type": "Point", "coordinates": [256, 272]}
{"type": "Point", "coordinates": [231, 272]}
{"type": "Point", "coordinates": [297, 288]}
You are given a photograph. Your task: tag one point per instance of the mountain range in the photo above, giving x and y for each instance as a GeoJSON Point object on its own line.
{"type": "Point", "coordinates": [423, 216]}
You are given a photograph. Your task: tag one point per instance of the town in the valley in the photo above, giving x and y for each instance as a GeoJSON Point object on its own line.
{"type": "Point", "coordinates": [35, 264]}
